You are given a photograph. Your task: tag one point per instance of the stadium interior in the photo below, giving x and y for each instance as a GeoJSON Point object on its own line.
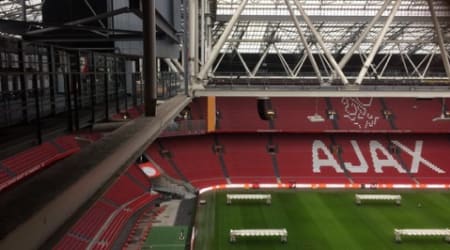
{"type": "Point", "coordinates": [161, 124]}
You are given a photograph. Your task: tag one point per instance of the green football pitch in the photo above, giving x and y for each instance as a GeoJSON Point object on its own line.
{"type": "Point", "coordinates": [321, 220]}
{"type": "Point", "coordinates": [166, 238]}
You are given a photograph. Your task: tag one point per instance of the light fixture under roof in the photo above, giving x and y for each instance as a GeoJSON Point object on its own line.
{"type": "Point", "coordinates": [315, 118]}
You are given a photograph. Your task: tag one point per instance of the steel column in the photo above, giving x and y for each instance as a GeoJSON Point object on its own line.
{"type": "Point", "coordinates": [150, 81]}
{"type": "Point", "coordinates": [223, 38]}
{"type": "Point", "coordinates": [193, 41]}
{"type": "Point", "coordinates": [305, 43]}
{"type": "Point", "coordinates": [116, 84]}
{"type": "Point", "coordinates": [93, 82]}
{"type": "Point", "coordinates": [134, 92]}
{"type": "Point", "coordinates": [67, 92]}
{"type": "Point", "coordinates": [38, 108]}
{"type": "Point", "coordinates": [24, 10]}
{"type": "Point", "coordinates": [105, 86]}
{"type": "Point", "coordinates": [377, 44]}
{"type": "Point", "coordinates": [74, 76]}
{"type": "Point", "coordinates": [52, 77]}
{"type": "Point", "coordinates": [203, 31]}
{"type": "Point", "coordinates": [440, 37]}
{"type": "Point", "coordinates": [186, 42]}
{"type": "Point", "coordinates": [316, 34]}
{"type": "Point", "coordinates": [23, 81]}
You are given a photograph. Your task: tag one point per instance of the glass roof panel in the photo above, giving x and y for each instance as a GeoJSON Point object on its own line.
{"type": "Point", "coordinates": [338, 22]}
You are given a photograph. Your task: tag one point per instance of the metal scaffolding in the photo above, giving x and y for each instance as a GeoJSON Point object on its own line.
{"type": "Point", "coordinates": [378, 40]}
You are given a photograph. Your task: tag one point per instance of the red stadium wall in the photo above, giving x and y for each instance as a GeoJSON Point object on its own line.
{"type": "Point", "coordinates": [341, 115]}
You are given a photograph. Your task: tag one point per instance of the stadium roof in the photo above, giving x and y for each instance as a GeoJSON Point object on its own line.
{"type": "Point", "coordinates": [13, 10]}
{"type": "Point", "coordinates": [264, 22]}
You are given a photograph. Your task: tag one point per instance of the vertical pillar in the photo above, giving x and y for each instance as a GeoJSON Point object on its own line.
{"type": "Point", "coordinates": [123, 79]}
{"type": "Point", "coordinates": [38, 108]}
{"type": "Point", "coordinates": [51, 78]}
{"type": "Point", "coordinates": [23, 81]}
{"type": "Point", "coordinates": [74, 77]}
{"type": "Point", "coordinates": [186, 44]}
{"type": "Point", "coordinates": [93, 81]}
{"type": "Point", "coordinates": [41, 86]}
{"type": "Point", "coordinates": [105, 85]}
{"type": "Point", "coordinates": [67, 91]}
{"type": "Point", "coordinates": [134, 82]}
{"type": "Point", "coordinates": [149, 28]}
{"type": "Point", "coordinates": [116, 84]}
{"type": "Point", "coordinates": [24, 10]}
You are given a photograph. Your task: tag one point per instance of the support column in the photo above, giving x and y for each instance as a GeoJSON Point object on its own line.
{"type": "Point", "coordinates": [38, 108]}
{"type": "Point", "coordinates": [193, 40]}
{"type": "Point", "coordinates": [377, 44]}
{"type": "Point", "coordinates": [105, 88]}
{"type": "Point", "coordinates": [93, 81]}
{"type": "Point", "coordinates": [74, 76]}
{"type": "Point", "coordinates": [52, 78]}
{"type": "Point", "coordinates": [116, 84]}
{"type": "Point", "coordinates": [223, 38]}
{"type": "Point", "coordinates": [67, 92]}
{"type": "Point", "coordinates": [149, 28]}
{"type": "Point", "coordinates": [134, 91]}
{"type": "Point", "coordinates": [186, 42]}
{"type": "Point", "coordinates": [440, 37]}
{"type": "Point", "coordinates": [202, 31]}
{"type": "Point", "coordinates": [23, 81]}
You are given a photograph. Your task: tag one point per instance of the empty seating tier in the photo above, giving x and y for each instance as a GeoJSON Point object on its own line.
{"type": "Point", "coordinates": [310, 158]}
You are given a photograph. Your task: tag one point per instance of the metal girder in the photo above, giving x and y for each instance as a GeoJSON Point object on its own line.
{"type": "Point", "coordinates": [377, 44]}
{"type": "Point", "coordinates": [216, 50]}
{"type": "Point", "coordinates": [283, 62]}
{"type": "Point", "coordinates": [319, 40]}
{"type": "Point", "coordinates": [363, 35]}
{"type": "Point", "coordinates": [440, 37]}
{"type": "Point", "coordinates": [330, 92]}
{"type": "Point", "coordinates": [332, 19]}
{"type": "Point", "coordinates": [305, 42]}
{"type": "Point", "coordinates": [83, 20]}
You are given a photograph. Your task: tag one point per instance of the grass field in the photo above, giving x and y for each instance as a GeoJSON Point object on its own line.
{"type": "Point", "coordinates": [166, 238]}
{"type": "Point", "coordinates": [321, 220]}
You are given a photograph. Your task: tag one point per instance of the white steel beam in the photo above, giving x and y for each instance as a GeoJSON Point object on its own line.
{"type": "Point", "coordinates": [305, 43]}
{"type": "Point", "coordinates": [243, 62]}
{"type": "Point", "coordinates": [218, 46]}
{"type": "Point", "coordinates": [318, 37]}
{"type": "Point", "coordinates": [261, 60]}
{"type": "Point", "coordinates": [193, 41]}
{"type": "Point", "coordinates": [363, 35]}
{"type": "Point", "coordinates": [323, 93]}
{"type": "Point", "coordinates": [440, 37]}
{"type": "Point", "coordinates": [299, 65]}
{"type": "Point", "coordinates": [283, 62]}
{"type": "Point", "coordinates": [171, 65]}
{"type": "Point", "coordinates": [178, 65]}
{"type": "Point", "coordinates": [377, 44]}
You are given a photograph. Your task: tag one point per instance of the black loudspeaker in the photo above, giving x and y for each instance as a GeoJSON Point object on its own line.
{"type": "Point", "coordinates": [264, 106]}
